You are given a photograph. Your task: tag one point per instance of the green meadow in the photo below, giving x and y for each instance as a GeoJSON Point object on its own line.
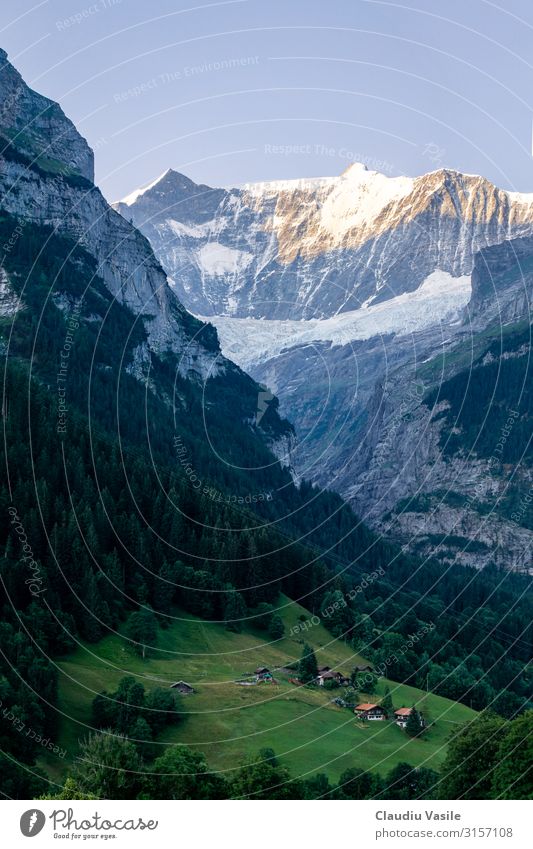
{"type": "Point", "coordinates": [230, 723]}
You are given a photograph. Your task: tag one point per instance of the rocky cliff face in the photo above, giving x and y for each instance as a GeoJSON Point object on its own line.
{"type": "Point", "coordinates": [310, 249]}
{"type": "Point", "coordinates": [38, 126]}
{"type": "Point", "coordinates": [46, 171]}
{"type": "Point", "coordinates": [502, 281]}
{"type": "Point", "coordinates": [416, 475]}
{"type": "Point", "coordinates": [352, 299]}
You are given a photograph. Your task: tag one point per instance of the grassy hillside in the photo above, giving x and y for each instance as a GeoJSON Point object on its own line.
{"type": "Point", "coordinates": [229, 722]}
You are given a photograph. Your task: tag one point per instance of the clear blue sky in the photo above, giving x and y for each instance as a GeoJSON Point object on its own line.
{"type": "Point", "coordinates": [231, 92]}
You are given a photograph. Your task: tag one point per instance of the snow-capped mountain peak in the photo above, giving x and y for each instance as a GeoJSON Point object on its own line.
{"type": "Point", "coordinates": [315, 247]}
{"type": "Point", "coordinates": [137, 193]}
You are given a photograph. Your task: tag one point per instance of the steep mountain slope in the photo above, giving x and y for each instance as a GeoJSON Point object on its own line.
{"type": "Point", "coordinates": [333, 293]}
{"type": "Point", "coordinates": [313, 248]}
{"type": "Point", "coordinates": [47, 196]}
{"type": "Point", "coordinates": [78, 279]}
{"type": "Point", "coordinates": [447, 458]}
{"type": "Point", "coordinates": [38, 127]}
{"type": "Point", "coordinates": [46, 178]}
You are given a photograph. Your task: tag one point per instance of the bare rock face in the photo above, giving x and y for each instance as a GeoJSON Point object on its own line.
{"type": "Point", "coordinates": [453, 504]}
{"type": "Point", "coordinates": [353, 298]}
{"type": "Point", "coordinates": [39, 128]}
{"type": "Point", "coordinates": [46, 173]}
{"type": "Point", "coordinates": [9, 300]}
{"type": "Point", "coordinates": [311, 249]}
{"type": "Point", "coordinates": [502, 280]}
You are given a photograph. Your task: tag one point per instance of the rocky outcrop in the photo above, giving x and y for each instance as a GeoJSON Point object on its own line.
{"type": "Point", "coordinates": [502, 281]}
{"type": "Point", "coordinates": [46, 171]}
{"type": "Point", "coordinates": [9, 300]}
{"type": "Point", "coordinates": [39, 128]}
{"type": "Point", "coordinates": [447, 504]}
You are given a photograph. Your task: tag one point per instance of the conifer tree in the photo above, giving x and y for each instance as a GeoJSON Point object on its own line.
{"type": "Point", "coordinates": [386, 702]}
{"type": "Point", "coordinates": [308, 667]}
{"type": "Point", "coordinates": [413, 726]}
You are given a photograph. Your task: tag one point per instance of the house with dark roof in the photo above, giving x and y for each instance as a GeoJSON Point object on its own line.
{"type": "Point", "coordinates": [326, 674]}
{"type": "Point", "coordinates": [263, 673]}
{"type": "Point", "coordinates": [183, 688]}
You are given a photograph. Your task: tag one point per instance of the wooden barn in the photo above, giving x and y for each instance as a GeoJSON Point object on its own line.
{"type": "Point", "coordinates": [183, 688]}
